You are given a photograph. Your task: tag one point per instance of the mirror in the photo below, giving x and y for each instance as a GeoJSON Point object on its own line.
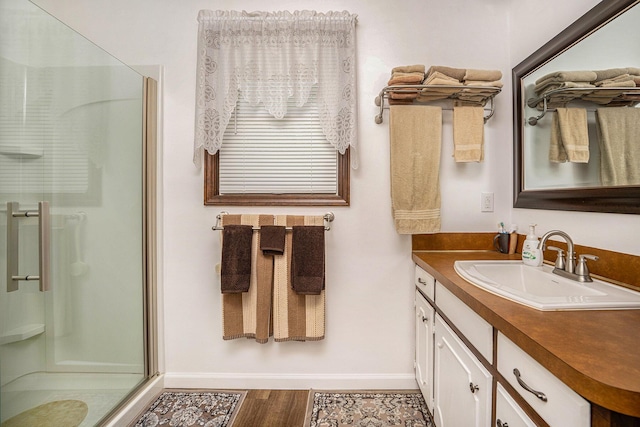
{"type": "Point", "coordinates": [596, 41]}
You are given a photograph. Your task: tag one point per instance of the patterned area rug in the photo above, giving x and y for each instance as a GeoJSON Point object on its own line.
{"type": "Point", "coordinates": [404, 408]}
{"type": "Point", "coordinates": [192, 408]}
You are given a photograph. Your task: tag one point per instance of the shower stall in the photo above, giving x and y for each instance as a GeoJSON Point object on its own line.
{"type": "Point", "coordinates": [76, 223]}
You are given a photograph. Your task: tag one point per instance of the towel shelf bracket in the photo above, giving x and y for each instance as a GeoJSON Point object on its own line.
{"type": "Point", "coordinates": [459, 93]}
{"type": "Point", "coordinates": [621, 97]}
{"type": "Point", "coordinates": [328, 219]}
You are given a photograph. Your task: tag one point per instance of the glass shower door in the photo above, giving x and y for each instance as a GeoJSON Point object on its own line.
{"type": "Point", "coordinates": [72, 238]}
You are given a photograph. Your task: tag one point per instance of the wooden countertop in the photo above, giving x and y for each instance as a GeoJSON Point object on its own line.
{"type": "Point", "coordinates": [595, 352]}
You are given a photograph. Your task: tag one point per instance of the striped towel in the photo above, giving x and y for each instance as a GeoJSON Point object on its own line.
{"type": "Point", "coordinates": [295, 317]}
{"type": "Point", "coordinates": [248, 314]}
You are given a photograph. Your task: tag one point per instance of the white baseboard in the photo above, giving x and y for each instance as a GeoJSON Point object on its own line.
{"type": "Point", "coordinates": [290, 381]}
{"type": "Point", "coordinates": [138, 404]}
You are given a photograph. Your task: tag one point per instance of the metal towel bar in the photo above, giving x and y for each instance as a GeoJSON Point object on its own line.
{"type": "Point", "coordinates": [623, 96]}
{"type": "Point", "coordinates": [328, 219]}
{"type": "Point", "coordinates": [489, 92]}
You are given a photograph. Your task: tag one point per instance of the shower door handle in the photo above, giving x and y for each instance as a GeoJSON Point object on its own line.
{"type": "Point", "coordinates": [44, 236]}
{"type": "Point", "coordinates": [44, 251]}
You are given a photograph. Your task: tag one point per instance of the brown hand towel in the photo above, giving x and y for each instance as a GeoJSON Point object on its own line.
{"type": "Point", "coordinates": [236, 258]}
{"type": "Point", "coordinates": [307, 259]}
{"type": "Point", "coordinates": [272, 239]}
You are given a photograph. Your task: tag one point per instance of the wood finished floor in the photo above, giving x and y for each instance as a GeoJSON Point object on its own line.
{"type": "Point", "coordinates": [273, 408]}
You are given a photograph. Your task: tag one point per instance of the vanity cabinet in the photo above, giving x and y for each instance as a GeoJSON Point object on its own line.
{"type": "Point", "coordinates": [455, 372]}
{"type": "Point", "coordinates": [425, 318]}
{"type": "Point", "coordinates": [462, 386]}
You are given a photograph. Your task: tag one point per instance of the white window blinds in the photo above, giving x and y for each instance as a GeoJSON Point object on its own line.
{"type": "Point", "coordinates": [265, 155]}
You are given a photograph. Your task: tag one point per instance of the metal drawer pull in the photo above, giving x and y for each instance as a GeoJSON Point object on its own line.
{"type": "Point", "coordinates": [421, 281]}
{"type": "Point", "coordinates": [425, 319]}
{"type": "Point", "coordinates": [501, 424]}
{"type": "Point", "coordinates": [473, 387]}
{"type": "Point", "coordinates": [540, 395]}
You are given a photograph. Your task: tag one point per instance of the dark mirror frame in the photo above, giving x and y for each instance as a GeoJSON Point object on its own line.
{"type": "Point", "coordinates": [606, 199]}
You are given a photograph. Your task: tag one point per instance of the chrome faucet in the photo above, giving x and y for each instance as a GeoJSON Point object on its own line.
{"type": "Point", "coordinates": [567, 267]}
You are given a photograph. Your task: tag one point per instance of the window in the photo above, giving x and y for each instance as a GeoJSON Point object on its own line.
{"type": "Point", "coordinates": [299, 67]}
{"type": "Point", "coordinates": [272, 161]}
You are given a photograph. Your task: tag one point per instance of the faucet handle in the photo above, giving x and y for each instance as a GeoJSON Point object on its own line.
{"type": "Point", "coordinates": [582, 270]}
{"type": "Point", "coordinates": [560, 259]}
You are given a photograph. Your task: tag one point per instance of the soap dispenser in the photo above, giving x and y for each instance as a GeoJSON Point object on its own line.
{"type": "Point", "coordinates": [531, 255]}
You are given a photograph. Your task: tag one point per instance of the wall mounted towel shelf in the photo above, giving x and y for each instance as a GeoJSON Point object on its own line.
{"type": "Point", "coordinates": [476, 95]}
{"type": "Point", "coordinates": [328, 219]}
{"type": "Point", "coordinates": [615, 96]}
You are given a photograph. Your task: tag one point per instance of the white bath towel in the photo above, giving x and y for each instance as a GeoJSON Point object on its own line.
{"type": "Point", "coordinates": [415, 134]}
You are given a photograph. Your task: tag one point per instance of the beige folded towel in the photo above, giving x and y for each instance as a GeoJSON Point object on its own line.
{"type": "Point", "coordinates": [486, 75]}
{"type": "Point", "coordinates": [615, 72]}
{"type": "Point", "coordinates": [553, 85]}
{"type": "Point", "coordinates": [406, 78]}
{"type": "Point", "coordinates": [483, 83]}
{"type": "Point", "coordinates": [415, 134]}
{"type": "Point", "coordinates": [438, 78]}
{"type": "Point", "coordinates": [570, 132]}
{"type": "Point", "coordinates": [456, 73]}
{"type": "Point", "coordinates": [432, 96]}
{"type": "Point", "coordinates": [569, 76]}
{"type": "Point", "coordinates": [619, 134]}
{"type": "Point", "coordinates": [468, 134]}
{"type": "Point", "coordinates": [403, 95]}
{"type": "Point", "coordinates": [400, 101]}
{"type": "Point", "coordinates": [419, 68]}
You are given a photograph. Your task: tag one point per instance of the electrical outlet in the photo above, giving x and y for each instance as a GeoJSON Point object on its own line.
{"type": "Point", "coordinates": [486, 202]}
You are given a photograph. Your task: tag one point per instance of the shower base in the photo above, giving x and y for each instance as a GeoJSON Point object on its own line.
{"type": "Point", "coordinates": [101, 392]}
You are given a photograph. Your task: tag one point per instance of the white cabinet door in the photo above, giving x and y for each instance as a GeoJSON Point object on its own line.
{"type": "Point", "coordinates": [462, 386]}
{"type": "Point", "coordinates": [508, 412]}
{"type": "Point", "coordinates": [424, 347]}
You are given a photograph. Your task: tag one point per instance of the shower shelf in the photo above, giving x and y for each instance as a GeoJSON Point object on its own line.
{"type": "Point", "coordinates": [22, 333]}
{"type": "Point", "coordinates": [487, 94]}
{"type": "Point", "coordinates": [622, 97]}
{"type": "Point", "coordinates": [21, 152]}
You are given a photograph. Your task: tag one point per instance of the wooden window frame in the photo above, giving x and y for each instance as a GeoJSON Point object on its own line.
{"type": "Point", "coordinates": [213, 197]}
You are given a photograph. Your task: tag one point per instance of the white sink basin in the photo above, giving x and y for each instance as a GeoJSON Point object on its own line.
{"type": "Point", "coordinates": [539, 288]}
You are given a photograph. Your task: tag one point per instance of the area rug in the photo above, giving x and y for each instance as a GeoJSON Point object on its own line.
{"type": "Point", "coordinates": [381, 408]}
{"type": "Point", "coordinates": [53, 414]}
{"type": "Point", "coordinates": [210, 408]}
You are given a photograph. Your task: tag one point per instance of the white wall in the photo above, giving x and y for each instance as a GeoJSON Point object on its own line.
{"type": "Point", "coordinates": [369, 272]}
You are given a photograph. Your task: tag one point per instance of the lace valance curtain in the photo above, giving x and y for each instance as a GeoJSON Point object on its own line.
{"type": "Point", "coordinates": [269, 58]}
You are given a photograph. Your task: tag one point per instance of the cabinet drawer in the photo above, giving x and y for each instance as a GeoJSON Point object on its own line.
{"type": "Point", "coordinates": [425, 282]}
{"type": "Point", "coordinates": [477, 330]}
{"type": "Point", "coordinates": [508, 413]}
{"type": "Point", "coordinates": [563, 406]}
